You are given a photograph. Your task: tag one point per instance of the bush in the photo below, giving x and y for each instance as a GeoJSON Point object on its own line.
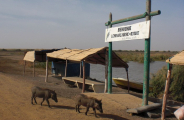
{"type": "Point", "coordinates": [176, 91]}
{"type": "Point", "coordinates": [158, 82]}
{"type": "Point", "coordinates": [177, 85]}
{"type": "Point", "coordinates": [3, 49]}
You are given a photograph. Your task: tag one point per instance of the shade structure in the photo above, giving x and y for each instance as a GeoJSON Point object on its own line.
{"type": "Point", "coordinates": [177, 59]}
{"type": "Point", "coordinates": [39, 56]}
{"type": "Point", "coordinates": [92, 55]}
{"type": "Point", "coordinates": [29, 56]}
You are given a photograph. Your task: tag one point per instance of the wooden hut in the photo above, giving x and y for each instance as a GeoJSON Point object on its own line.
{"type": "Point", "coordinates": [92, 55]}
{"type": "Point", "coordinates": [36, 56]}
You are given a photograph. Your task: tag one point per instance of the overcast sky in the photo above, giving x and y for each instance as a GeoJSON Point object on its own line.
{"type": "Point", "coordinates": [80, 24]}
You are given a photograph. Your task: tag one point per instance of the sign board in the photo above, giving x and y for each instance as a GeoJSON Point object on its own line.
{"type": "Point", "coordinates": [129, 32]}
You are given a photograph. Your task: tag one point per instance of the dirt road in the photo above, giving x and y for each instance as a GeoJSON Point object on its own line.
{"type": "Point", "coordinates": [16, 103]}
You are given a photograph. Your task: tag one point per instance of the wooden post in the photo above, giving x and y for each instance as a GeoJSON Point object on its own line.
{"type": "Point", "coordinates": [46, 77]}
{"type": "Point", "coordinates": [66, 68]}
{"type": "Point", "coordinates": [106, 71]}
{"type": "Point", "coordinates": [80, 69]}
{"type": "Point", "coordinates": [24, 63]}
{"type": "Point", "coordinates": [33, 68]}
{"type": "Point", "coordinates": [24, 67]}
{"type": "Point", "coordinates": [166, 91]}
{"type": "Point", "coordinates": [127, 79]}
{"type": "Point", "coordinates": [83, 88]}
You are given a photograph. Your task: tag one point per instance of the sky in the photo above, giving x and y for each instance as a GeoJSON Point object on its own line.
{"type": "Point", "coordinates": [80, 24]}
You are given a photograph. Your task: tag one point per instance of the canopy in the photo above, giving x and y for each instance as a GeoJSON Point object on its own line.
{"type": "Point", "coordinates": [177, 59]}
{"type": "Point", "coordinates": [30, 56]}
{"type": "Point", "coordinates": [92, 55]}
{"type": "Point", "coordinates": [39, 56]}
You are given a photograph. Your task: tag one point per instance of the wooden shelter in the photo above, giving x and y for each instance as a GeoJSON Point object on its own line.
{"type": "Point", "coordinates": [33, 56]}
{"type": "Point", "coordinates": [92, 55]}
{"type": "Point", "coordinates": [177, 59]}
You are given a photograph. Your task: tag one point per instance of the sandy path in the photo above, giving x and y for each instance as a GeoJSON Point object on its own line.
{"type": "Point", "coordinates": [16, 104]}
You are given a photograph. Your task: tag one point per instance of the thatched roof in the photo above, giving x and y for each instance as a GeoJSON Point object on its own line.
{"type": "Point", "coordinates": [39, 56]}
{"type": "Point", "coordinates": [177, 59]}
{"type": "Point", "coordinates": [30, 56]}
{"type": "Point", "coordinates": [92, 55]}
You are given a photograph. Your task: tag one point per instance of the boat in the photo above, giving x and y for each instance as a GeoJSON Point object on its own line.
{"type": "Point", "coordinates": [123, 83]}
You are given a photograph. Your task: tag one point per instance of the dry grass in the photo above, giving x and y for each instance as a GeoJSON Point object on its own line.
{"type": "Point", "coordinates": [138, 56]}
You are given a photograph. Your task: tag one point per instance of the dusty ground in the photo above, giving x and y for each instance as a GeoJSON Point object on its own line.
{"type": "Point", "coordinates": [15, 102]}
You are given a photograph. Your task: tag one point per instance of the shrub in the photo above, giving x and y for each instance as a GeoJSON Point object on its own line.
{"type": "Point", "coordinates": [3, 49]}
{"type": "Point", "coordinates": [176, 91]}
{"type": "Point", "coordinates": [158, 82]}
{"type": "Point", "coordinates": [177, 85]}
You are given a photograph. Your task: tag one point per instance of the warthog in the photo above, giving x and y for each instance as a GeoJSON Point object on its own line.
{"type": "Point", "coordinates": [88, 102]}
{"type": "Point", "coordinates": [43, 93]}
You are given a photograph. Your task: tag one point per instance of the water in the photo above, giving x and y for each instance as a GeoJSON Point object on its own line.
{"type": "Point", "coordinates": [136, 71]}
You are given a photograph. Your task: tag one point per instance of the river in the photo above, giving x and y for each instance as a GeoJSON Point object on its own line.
{"type": "Point", "coordinates": [136, 71]}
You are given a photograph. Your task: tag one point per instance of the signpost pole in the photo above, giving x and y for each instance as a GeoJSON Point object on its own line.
{"type": "Point", "coordinates": [147, 58]}
{"type": "Point", "coordinates": [110, 61]}
{"type": "Point", "coordinates": [148, 15]}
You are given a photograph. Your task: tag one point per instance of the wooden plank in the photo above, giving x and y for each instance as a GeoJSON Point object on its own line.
{"type": "Point", "coordinates": [144, 108]}
{"type": "Point", "coordinates": [96, 86]}
{"type": "Point", "coordinates": [157, 113]}
{"type": "Point", "coordinates": [78, 79]}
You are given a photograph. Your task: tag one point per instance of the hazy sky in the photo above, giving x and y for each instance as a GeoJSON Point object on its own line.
{"type": "Point", "coordinates": [80, 24]}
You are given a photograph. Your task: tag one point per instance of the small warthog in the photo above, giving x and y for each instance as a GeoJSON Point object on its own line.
{"type": "Point", "coordinates": [88, 102]}
{"type": "Point", "coordinates": [43, 93]}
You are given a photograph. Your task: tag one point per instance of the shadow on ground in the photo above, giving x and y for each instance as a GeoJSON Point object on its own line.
{"type": "Point", "coordinates": [111, 116]}
{"type": "Point", "coordinates": [61, 107]}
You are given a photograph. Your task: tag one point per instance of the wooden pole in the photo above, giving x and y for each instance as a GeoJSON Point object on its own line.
{"type": "Point", "coordinates": [106, 71]}
{"type": "Point", "coordinates": [166, 91]}
{"type": "Point", "coordinates": [24, 63]}
{"type": "Point", "coordinates": [46, 77]}
{"type": "Point", "coordinates": [24, 67]}
{"type": "Point", "coordinates": [66, 68]}
{"type": "Point", "coordinates": [80, 69]}
{"type": "Point", "coordinates": [83, 88]}
{"type": "Point", "coordinates": [33, 68]}
{"type": "Point", "coordinates": [127, 79]}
